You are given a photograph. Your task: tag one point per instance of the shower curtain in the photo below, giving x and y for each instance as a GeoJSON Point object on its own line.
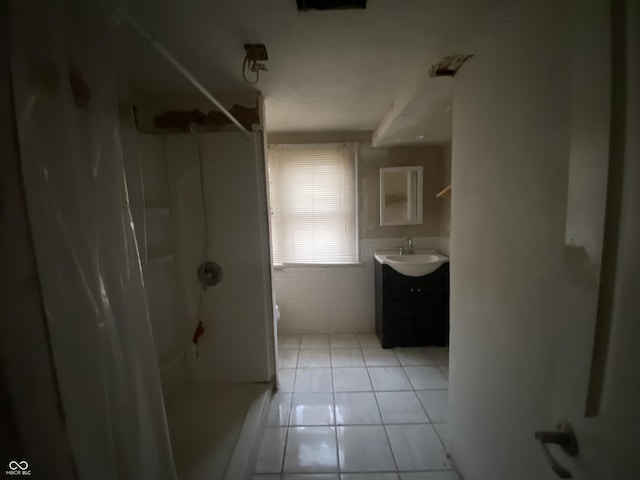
{"type": "Point", "coordinates": [82, 178]}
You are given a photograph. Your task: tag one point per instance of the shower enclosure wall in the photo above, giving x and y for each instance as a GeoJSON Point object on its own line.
{"type": "Point", "coordinates": [205, 203]}
{"type": "Point", "coordinates": [215, 399]}
{"type": "Point", "coordinates": [236, 345]}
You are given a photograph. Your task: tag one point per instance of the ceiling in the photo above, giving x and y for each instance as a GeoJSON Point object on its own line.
{"type": "Point", "coordinates": [328, 71]}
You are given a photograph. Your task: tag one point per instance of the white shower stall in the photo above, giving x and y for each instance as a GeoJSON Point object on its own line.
{"type": "Point", "coordinates": [119, 220]}
{"type": "Point", "coordinates": [216, 391]}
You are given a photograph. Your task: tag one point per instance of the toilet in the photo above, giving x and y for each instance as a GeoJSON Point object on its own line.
{"type": "Point", "coordinates": [276, 310]}
{"type": "Point", "coordinates": [276, 318]}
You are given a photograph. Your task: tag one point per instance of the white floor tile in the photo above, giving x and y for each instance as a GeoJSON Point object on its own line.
{"type": "Point", "coordinates": [436, 403]}
{"type": "Point", "coordinates": [314, 358]}
{"type": "Point", "coordinates": [425, 378]}
{"type": "Point", "coordinates": [417, 447]}
{"type": "Point", "coordinates": [356, 409]}
{"type": "Point", "coordinates": [369, 340]}
{"type": "Point", "coordinates": [401, 407]}
{"type": "Point", "coordinates": [286, 377]}
{"type": "Point", "coordinates": [440, 355]}
{"type": "Point", "coordinates": [344, 341]}
{"type": "Point", "coordinates": [380, 358]}
{"type": "Point", "coordinates": [311, 450]}
{"type": "Point", "coordinates": [314, 341]}
{"type": "Point", "coordinates": [348, 386]}
{"type": "Point", "coordinates": [313, 380]}
{"type": "Point", "coordinates": [287, 358]}
{"type": "Point", "coordinates": [389, 378]}
{"type": "Point", "coordinates": [271, 450]}
{"type": "Point", "coordinates": [413, 356]}
{"type": "Point", "coordinates": [364, 449]}
{"type": "Point", "coordinates": [312, 409]}
{"type": "Point", "coordinates": [288, 341]}
{"type": "Point", "coordinates": [444, 475]}
{"type": "Point", "coordinates": [311, 476]}
{"type": "Point", "coordinates": [369, 476]}
{"type": "Point", "coordinates": [442, 430]}
{"type": "Point", "coordinates": [347, 358]}
{"type": "Point", "coordinates": [279, 410]}
{"type": "Point", "coordinates": [351, 380]}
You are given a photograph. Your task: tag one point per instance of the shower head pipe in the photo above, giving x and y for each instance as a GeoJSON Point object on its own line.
{"type": "Point", "coordinates": [122, 15]}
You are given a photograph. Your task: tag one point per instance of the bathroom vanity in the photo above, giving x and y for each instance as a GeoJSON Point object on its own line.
{"type": "Point", "coordinates": [412, 307]}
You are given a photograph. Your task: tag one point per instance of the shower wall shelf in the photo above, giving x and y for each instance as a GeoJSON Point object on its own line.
{"type": "Point", "coordinates": [446, 191]}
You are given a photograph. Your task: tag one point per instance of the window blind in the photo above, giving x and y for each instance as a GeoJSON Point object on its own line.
{"type": "Point", "coordinates": [312, 190]}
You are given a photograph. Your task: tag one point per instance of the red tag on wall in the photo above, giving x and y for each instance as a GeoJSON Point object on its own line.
{"type": "Point", "coordinates": [199, 331]}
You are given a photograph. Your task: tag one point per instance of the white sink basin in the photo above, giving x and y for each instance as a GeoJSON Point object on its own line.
{"type": "Point", "coordinates": [415, 265]}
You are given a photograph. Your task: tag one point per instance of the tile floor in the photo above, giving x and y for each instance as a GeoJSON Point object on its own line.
{"type": "Point", "coordinates": [349, 410]}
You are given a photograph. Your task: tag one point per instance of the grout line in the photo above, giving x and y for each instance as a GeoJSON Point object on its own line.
{"type": "Point", "coordinates": [438, 434]}
{"type": "Point", "coordinates": [442, 371]}
{"type": "Point", "coordinates": [424, 408]}
{"type": "Point", "coordinates": [384, 428]}
{"type": "Point", "coordinates": [284, 450]}
{"type": "Point", "coordinates": [370, 366]}
{"type": "Point", "coordinates": [394, 424]}
{"type": "Point", "coordinates": [368, 472]}
{"type": "Point", "coordinates": [335, 416]}
{"type": "Point", "coordinates": [295, 378]}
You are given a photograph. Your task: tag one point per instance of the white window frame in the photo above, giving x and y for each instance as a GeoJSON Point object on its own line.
{"type": "Point", "coordinates": [353, 146]}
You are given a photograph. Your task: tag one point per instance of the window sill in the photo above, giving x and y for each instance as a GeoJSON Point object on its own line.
{"type": "Point", "coordinates": [282, 266]}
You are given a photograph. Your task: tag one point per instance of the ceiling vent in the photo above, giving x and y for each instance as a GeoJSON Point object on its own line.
{"type": "Point", "coordinates": [304, 5]}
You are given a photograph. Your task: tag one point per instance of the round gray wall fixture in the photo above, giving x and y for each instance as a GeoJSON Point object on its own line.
{"type": "Point", "coordinates": [209, 274]}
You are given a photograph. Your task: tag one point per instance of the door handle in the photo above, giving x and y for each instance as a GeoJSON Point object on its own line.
{"type": "Point", "coordinates": [566, 439]}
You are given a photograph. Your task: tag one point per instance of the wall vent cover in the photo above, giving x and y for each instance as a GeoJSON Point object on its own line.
{"type": "Point", "coordinates": [304, 5]}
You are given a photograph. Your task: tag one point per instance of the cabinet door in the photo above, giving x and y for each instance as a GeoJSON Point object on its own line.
{"type": "Point", "coordinates": [435, 306]}
{"type": "Point", "coordinates": [415, 309]}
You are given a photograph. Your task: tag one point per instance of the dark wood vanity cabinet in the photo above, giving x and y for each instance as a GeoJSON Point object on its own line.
{"type": "Point", "coordinates": [412, 311]}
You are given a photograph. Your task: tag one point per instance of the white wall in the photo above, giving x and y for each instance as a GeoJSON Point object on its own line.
{"type": "Point", "coordinates": [335, 299]}
{"type": "Point", "coordinates": [510, 162]}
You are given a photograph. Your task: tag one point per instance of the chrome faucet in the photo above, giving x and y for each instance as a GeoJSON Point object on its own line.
{"type": "Point", "coordinates": [407, 248]}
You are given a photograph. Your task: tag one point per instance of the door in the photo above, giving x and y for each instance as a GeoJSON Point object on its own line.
{"type": "Point", "coordinates": [596, 388]}
{"type": "Point", "coordinates": [524, 307]}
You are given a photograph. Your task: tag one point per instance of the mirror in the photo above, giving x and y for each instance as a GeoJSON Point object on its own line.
{"type": "Point", "coordinates": [400, 196]}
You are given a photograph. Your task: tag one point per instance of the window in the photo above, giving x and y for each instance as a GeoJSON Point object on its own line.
{"type": "Point", "coordinates": [312, 189]}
